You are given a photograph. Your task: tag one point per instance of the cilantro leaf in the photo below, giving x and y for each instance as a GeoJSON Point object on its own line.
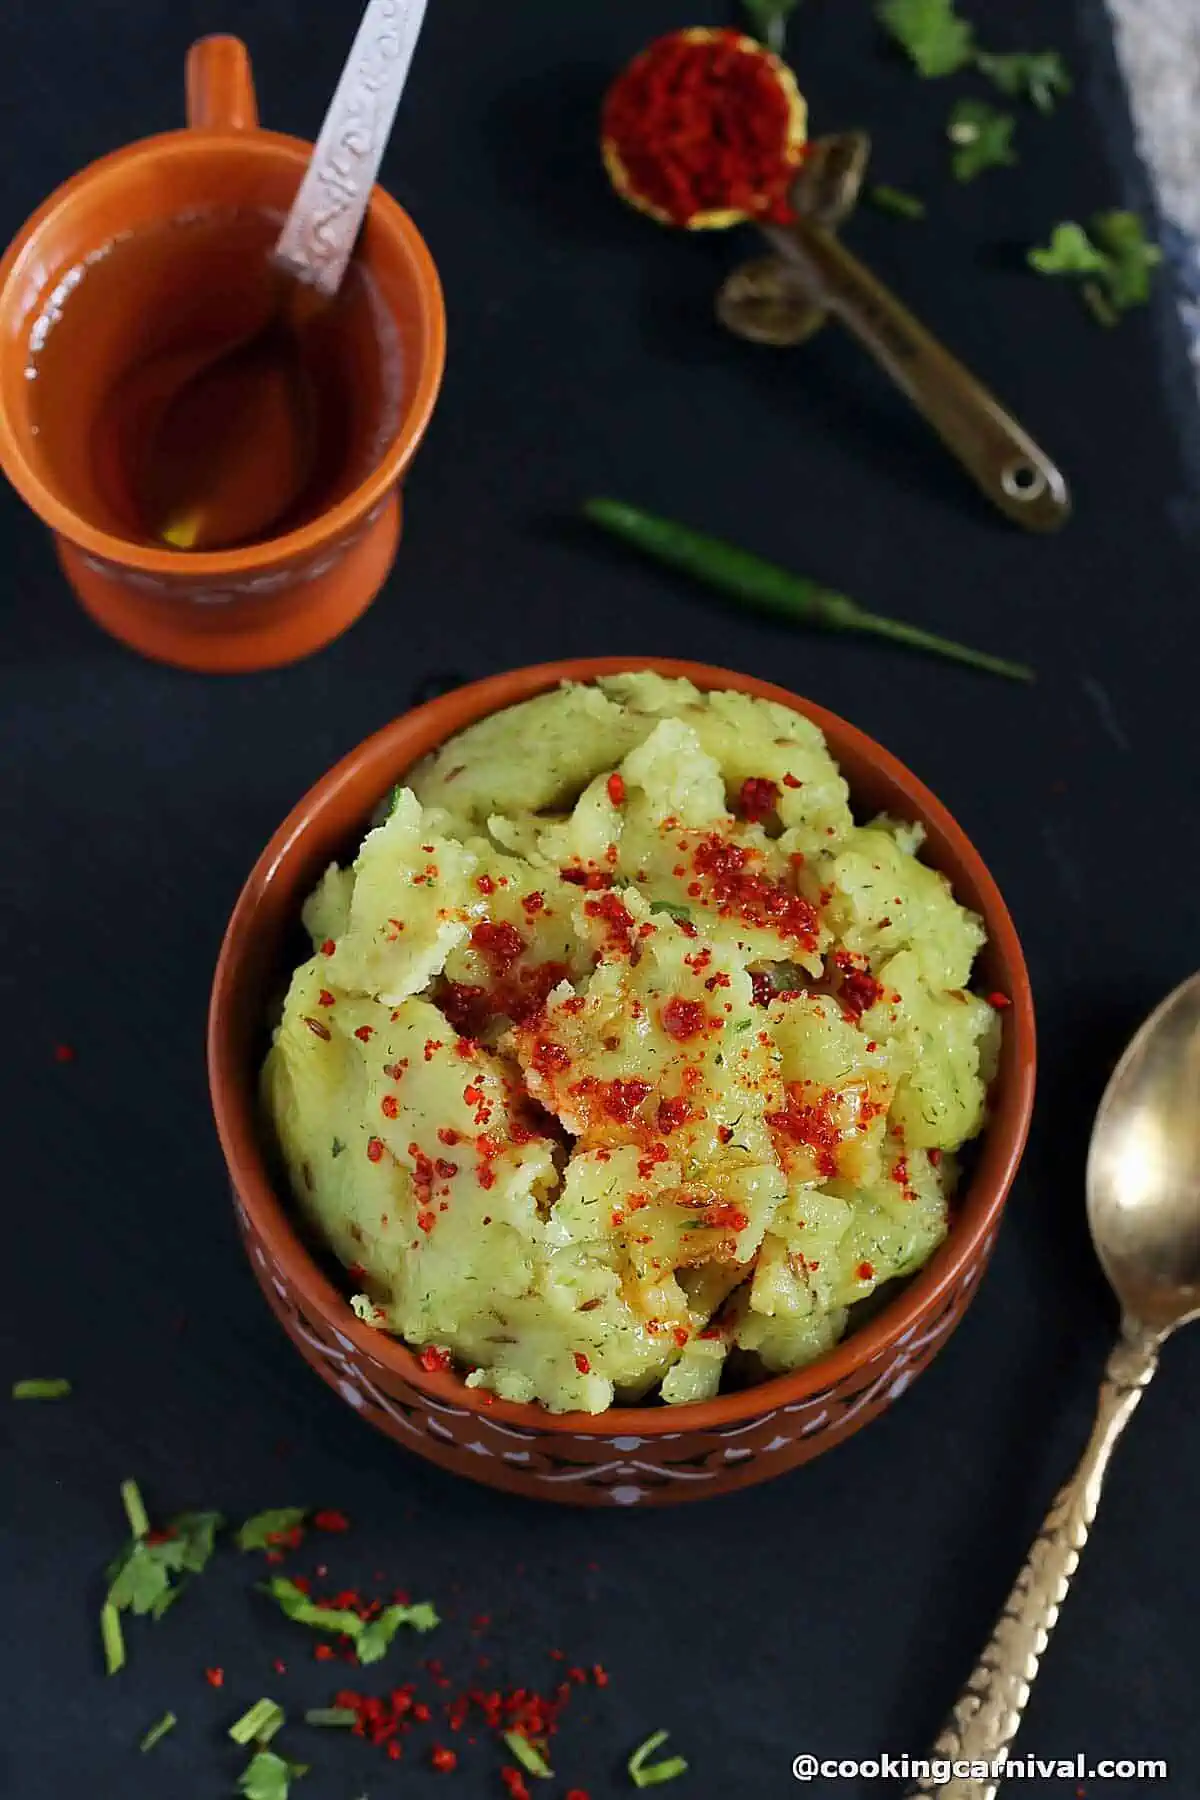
{"type": "Point", "coordinates": [141, 1581]}
{"type": "Point", "coordinates": [894, 200]}
{"type": "Point", "coordinates": [1117, 258]}
{"type": "Point", "coordinates": [678, 913]}
{"type": "Point", "coordinates": [527, 1754]}
{"type": "Point", "coordinates": [982, 138]}
{"type": "Point", "coordinates": [158, 1732]}
{"type": "Point", "coordinates": [930, 33]}
{"type": "Point", "coordinates": [52, 1388]}
{"type": "Point", "coordinates": [1037, 75]}
{"type": "Point", "coordinates": [1069, 252]}
{"type": "Point", "coordinates": [257, 1532]}
{"type": "Point", "coordinates": [1131, 257]}
{"type": "Point", "coordinates": [643, 1773]}
{"type": "Point", "coordinates": [374, 1639]}
{"type": "Point", "coordinates": [268, 1777]}
{"type": "Point", "coordinates": [768, 20]}
{"type": "Point", "coordinates": [191, 1540]}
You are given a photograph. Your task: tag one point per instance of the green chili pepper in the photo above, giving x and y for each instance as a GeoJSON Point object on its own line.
{"type": "Point", "coordinates": [768, 588]}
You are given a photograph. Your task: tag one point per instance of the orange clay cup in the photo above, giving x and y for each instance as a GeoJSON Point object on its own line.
{"type": "Point", "coordinates": [261, 604]}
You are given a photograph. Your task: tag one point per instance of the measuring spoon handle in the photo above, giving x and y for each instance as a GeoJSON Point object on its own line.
{"type": "Point", "coordinates": [1013, 471]}
{"type": "Point", "coordinates": [321, 229]}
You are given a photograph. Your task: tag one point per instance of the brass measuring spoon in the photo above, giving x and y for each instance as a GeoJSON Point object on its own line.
{"type": "Point", "coordinates": [783, 298]}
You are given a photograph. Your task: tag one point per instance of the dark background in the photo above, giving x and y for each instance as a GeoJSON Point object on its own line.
{"type": "Point", "coordinates": [839, 1609]}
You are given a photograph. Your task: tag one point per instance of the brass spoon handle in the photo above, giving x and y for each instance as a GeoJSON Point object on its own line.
{"type": "Point", "coordinates": [1014, 473]}
{"type": "Point", "coordinates": [986, 1719]}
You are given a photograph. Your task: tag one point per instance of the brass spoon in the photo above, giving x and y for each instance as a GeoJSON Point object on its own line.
{"type": "Point", "coordinates": [1143, 1200]}
{"type": "Point", "coordinates": [782, 299]}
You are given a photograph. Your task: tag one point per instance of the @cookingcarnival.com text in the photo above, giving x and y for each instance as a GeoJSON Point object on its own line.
{"type": "Point", "coordinates": [942, 1769]}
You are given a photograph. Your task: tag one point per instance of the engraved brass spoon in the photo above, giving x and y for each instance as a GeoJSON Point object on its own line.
{"type": "Point", "coordinates": [782, 299]}
{"type": "Point", "coordinates": [1143, 1200]}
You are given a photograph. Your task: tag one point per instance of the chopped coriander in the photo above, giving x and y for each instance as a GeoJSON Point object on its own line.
{"type": "Point", "coordinates": [374, 1639]}
{"type": "Point", "coordinates": [257, 1532]}
{"type": "Point", "coordinates": [643, 1773]}
{"type": "Point", "coordinates": [141, 1581]}
{"type": "Point", "coordinates": [669, 906]}
{"type": "Point", "coordinates": [337, 1149]}
{"type": "Point", "coordinates": [331, 1715]}
{"type": "Point", "coordinates": [743, 1024]}
{"type": "Point", "coordinates": [1117, 258]}
{"type": "Point", "coordinates": [268, 1777]}
{"type": "Point", "coordinates": [930, 33]}
{"type": "Point", "coordinates": [48, 1388]}
{"type": "Point", "coordinates": [1069, 252]}
{"type": "Point", "coordinates": [135, 1510]}
{"type": "Point", "coordinates": [371, 1640]}
{"type": "Point", "coordinates": [982, 138]}
{"type": "Point", "coordinates": [528, 1755]}
{"type": "Point", "coordinates": [191, 1540]}
{"type": "Point", "coordinates": [112, 1638]}
{"type": "Point", "coordinates": [894, 200]}
{"type": "Point", "coordinates": [1131, 257]}
{"type": "Point", "coordinates": [1036, 75]}
{"type": "Point", "coordinates": [1098, 303]}
{"type": "Point", "coordinates": [158, 1732]}
{"type": "Point", "coordinates": [258, 1725]}
{"type": "Point", "coordinates": [769, 20]}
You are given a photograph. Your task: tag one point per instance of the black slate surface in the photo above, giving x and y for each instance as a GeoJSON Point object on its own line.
{"type": "Point", "coordinates": [838, 1610]}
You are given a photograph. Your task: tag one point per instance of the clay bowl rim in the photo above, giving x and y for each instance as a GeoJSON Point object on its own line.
{"type": "Point", "coordinates": [90, 186]}
{"type": "Point", "coordinates": [396, 747]}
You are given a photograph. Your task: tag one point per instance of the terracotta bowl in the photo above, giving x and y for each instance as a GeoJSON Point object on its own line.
{"type": "Point", "coordinates": [646, 1455]}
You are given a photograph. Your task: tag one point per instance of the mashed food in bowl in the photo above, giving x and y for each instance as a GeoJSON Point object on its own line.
{"type": "Point", "coordinates": [624, 1055]}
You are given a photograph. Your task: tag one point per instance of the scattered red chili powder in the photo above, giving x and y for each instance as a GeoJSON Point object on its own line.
{"type": "Point", "coordinates": [63, 1053]}
{"type": "Point", "coordinates": [762, 988]}
{"type": "Point", "coordinates": [858, 993]}
{"type": "Point", "coordinates": [703, 123]}
{"type": "Point", "coordinates": [443, 1760]}
{"type": "Point", "coordinates": [621, 1099]}
{"type": "Point", "coordinates": [683, 1019]}
{"type": "Point", "coordinates": [548, 1057]}
{"type": "Point", "coordinates": [935, 1157]}
{"type": "Point", "coordinates": [328, 947]}
{"type": "Point", "coordinates": [582, 1363]}
{"type": "Point", "coordinates": [374, 1149]}
{"type": "Point", "coordinates": [433, 1360]}
{"type": "Point", "coordinates": [515, 1782]}
{"type": "Point", "coordinates": [758, 798]}
{"type": "Point", "coordinates": [485, 884]}
{"type": "Point", "coordinates": [790, 781]}
{"type": "Point", "coordinates": [365, 1033]}
{"type": "Point", "coordinates": [593, 879]}
{"type": "Point", "coordinates": [215, 1677]}
{"type": "Point", "coordinates": [389, 1106]}
{"type": "Point", "coordinates": [672, 1113]}
{"type": "Point", "coordinates": [499, 945]}
{"type": "Point", "coordinates": [741, 890]}
{"type": "Point", "coordinates": [809, 1124]}
{"type": "Point", "coordinates": [616, 789]}
{"type": "Point", "coordinates": [999, 1001]}
{"type": "Point", "coordinates": [865, 1271]}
